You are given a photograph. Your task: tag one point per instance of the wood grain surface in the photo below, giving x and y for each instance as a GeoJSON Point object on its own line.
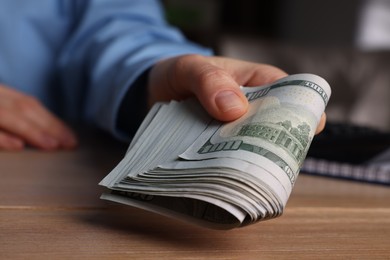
{"type": "Point", "coordinates": [50, 209]}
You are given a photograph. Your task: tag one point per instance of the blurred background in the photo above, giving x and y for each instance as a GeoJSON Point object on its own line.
{"type": "Point", "coordinates": [346, 42]}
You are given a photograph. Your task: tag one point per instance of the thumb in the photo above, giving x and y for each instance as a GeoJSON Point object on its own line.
{"type": "Point", "coordinates": [215, 81]}
{"type": "Point", "coordinates": [214, 87]}
{"type": "Point", "coordinates": [219, 94]}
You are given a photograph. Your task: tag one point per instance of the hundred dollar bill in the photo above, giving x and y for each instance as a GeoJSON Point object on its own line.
{"type": "Point", "coordinates": [183, 164]}
{"type": "Point", "coordinates": [280, 125]}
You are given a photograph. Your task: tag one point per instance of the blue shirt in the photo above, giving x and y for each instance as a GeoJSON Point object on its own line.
{"type": "Point", "coordinates": [80, 57]}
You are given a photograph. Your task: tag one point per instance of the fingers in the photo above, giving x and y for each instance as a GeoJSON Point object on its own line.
{"type": "Point", "coordinates": [321, 124]}
{"type": "Point", "coordinates": [24, 120]}
{"type": "Point", "coordinates": [10, 142]}
{"type": "Point", "coordinates": [214, 81]}
{"type": "Point", "coordinates": [249, 73]}
{"type": "Point", "coordinates": [215, 88]}
{"type": "Point", "coordinates": [53, 132]}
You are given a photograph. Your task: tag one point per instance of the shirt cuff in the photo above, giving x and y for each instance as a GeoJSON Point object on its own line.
{"type": "Point", "coordinates": [133, 108]}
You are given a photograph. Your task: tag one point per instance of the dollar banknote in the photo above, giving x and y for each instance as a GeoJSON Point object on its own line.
{"type": "Point", "coordinates": [183, 164]}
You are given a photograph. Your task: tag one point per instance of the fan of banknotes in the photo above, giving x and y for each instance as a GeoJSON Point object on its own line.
{"type": "Point", "coordinates": [183, 164]}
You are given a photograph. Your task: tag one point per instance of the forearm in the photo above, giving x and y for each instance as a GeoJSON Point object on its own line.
{"type": "Point", "coordinates": [109, 50]}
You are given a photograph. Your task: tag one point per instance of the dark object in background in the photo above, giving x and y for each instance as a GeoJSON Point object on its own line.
{"type": "Point", "coordinates": [341, 142]}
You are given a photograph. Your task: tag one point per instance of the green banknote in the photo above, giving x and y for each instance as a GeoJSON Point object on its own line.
{"type": "Point", "coordinates": [185, 165]}
{"type": "Point", "coordinates": [279, 125]}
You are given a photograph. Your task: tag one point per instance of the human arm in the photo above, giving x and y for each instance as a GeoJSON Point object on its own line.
{"type": "Point", "coordinates": [88, 55]}
{"type": "Point", "coordinates": [113, 44]}
{"type": "Point", "coordinates": [25, 121]}
{"type": "Point", "coordinates": [131, 38]}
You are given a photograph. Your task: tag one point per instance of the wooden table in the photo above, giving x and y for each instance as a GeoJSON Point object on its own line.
{"type": "Point", "coordinates": [50, 209]}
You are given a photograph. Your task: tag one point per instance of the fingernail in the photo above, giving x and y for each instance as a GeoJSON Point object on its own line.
{"type": "Point", "coordinates": [228, 101]}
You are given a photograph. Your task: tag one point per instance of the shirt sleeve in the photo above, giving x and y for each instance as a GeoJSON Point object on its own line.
{"type": "Point", "coordinates": [113, 43]}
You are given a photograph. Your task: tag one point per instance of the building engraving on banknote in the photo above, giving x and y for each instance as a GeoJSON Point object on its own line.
{"type": "Point", "coordinates": [294, 140]}
{"type": "Point", "coordinates": [293, 136]}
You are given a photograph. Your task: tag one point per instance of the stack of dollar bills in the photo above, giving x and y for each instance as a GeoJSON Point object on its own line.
{"type": "Point", "coordinates": [183, 164]}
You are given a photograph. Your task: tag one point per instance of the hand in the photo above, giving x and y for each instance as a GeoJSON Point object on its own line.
{"type": "Point", "coordinates": [215, 81]}
{"type": "Point", "coordinates": [25, 121]}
